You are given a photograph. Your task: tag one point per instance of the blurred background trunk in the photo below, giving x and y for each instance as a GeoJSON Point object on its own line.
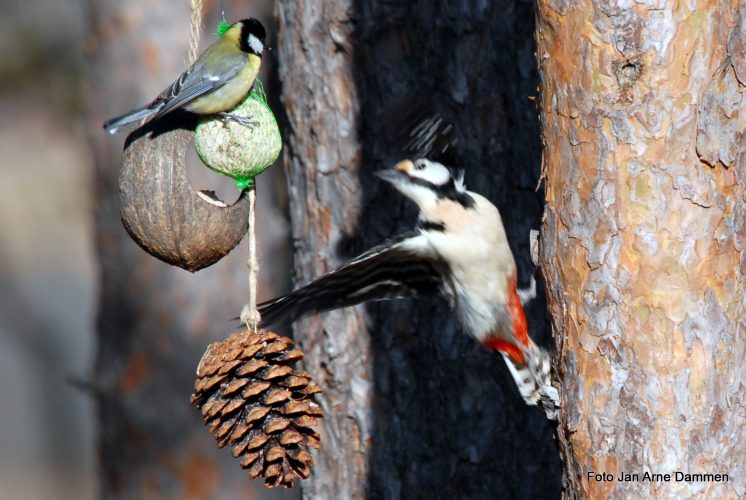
{"type": "Point", "coordinates": [414, 408]}
{"type": "Point", "coordinates": [643, 242]}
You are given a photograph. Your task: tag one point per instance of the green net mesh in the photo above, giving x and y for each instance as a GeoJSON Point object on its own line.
{"type": "Point", "coordinates": [236, 150]}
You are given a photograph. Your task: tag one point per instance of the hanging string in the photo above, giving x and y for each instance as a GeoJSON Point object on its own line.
{"type": "Point", "coordinates": [250, 314]}
{"type": "Point", "coordinates": [194, 30]}
{"type": "Point", "coordinates": [222, 11]}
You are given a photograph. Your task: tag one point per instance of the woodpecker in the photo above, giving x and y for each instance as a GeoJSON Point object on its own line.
{"type": "Point", "coordinates": [458, 249]}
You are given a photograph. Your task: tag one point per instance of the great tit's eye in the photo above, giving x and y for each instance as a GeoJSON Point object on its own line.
{"type": "Point", "coordinates": [420, 165]}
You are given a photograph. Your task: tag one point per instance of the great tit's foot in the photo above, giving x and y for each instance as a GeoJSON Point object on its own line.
{"type": "Point", "coordinates": [241, 120]}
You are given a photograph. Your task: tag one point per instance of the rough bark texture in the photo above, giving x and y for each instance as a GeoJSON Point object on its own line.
{"type": "Point", "coordinates": [643, 240]}
{"type": "Point", "coordinates": [154, 320]}
{"type": "Point", "coordinates": [414, 409]}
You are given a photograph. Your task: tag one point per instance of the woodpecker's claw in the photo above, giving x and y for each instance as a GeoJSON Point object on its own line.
{"type": "Point", "coordinates": [549, 400]}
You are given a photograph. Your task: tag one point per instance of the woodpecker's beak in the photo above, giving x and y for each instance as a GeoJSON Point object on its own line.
{"type": "Point", "coordinates": [404, 166]}
{"type": "Point", "coordinates": [399, 173]}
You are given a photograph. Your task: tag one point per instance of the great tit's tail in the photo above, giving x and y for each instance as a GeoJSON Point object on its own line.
{"type": "Point", "coordinates": [141, 114]}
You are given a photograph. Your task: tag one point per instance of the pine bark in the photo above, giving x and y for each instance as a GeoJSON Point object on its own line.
{"type": "Point", "coordinates": [414, 408]}
{"type": "Point", "coordinates": [643, 241]}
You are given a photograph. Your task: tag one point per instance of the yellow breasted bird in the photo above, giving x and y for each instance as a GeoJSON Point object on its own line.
{"type": "Point", "coordinates": [217, 81]}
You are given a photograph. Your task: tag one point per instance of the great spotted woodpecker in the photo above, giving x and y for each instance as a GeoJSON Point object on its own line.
{"type": "Point", "coordinates": [460, 250]}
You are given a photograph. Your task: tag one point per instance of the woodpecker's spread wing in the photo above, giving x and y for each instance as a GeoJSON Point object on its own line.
{"type": "Point", "coordinates": [405, 267]}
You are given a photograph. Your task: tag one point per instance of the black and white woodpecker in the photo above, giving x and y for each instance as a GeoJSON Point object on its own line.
{"type": "Point", "coordinates": [458, 249]}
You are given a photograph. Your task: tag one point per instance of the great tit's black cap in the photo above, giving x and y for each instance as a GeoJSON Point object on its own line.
{"type": "Point", "coordinates": [252, 28]}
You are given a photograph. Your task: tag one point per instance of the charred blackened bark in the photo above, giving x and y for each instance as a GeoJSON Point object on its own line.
{"type": "Point", "coordinates": [414, 408]}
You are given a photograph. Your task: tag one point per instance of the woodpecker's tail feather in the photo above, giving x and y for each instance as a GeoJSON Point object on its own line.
{"type": "Point", "coordinates": [534, 379]}
{"type": "Point", "coordinates": [141, 114]}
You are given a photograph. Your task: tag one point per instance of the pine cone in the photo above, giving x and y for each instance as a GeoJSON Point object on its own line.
{"type": "Point", "coordinates": [252, 399]}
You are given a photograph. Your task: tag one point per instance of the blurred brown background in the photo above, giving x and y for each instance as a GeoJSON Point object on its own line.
{"type": "Point", "coordinates": [48, 261]}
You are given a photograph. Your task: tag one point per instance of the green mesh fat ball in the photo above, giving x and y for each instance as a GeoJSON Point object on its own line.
{"type": "Point", "coordinates": [236, 150]}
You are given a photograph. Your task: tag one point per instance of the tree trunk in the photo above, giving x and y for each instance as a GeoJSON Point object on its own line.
{"type": "Point", "coordinates": [414, 408]}
{"type": "Point", "coordinates": [155, 320]}
{"type": "Point", "coordinates": [643, 242]}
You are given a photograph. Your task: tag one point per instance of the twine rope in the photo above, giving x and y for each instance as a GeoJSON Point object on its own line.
{"type": "Point", "coordinates": [194, 30]}
{"type": "Point", "coordinates": [250, 314]}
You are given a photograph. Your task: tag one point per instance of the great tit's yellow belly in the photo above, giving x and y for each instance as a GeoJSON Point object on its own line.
{"type": "Point", "coordinates": [229, 95]}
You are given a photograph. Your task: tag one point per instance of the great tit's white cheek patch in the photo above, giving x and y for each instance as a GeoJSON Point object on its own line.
{"type": "Point", "coordinates": [256, 44]}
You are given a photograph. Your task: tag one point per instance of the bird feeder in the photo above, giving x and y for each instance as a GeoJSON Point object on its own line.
{"type": "Point", "coordinates": [236, 150]}
{"type": "Point", "coordinates": [160, 209]}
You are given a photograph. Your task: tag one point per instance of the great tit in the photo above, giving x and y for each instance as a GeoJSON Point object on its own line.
{"type": "Point", "coordinates": [217, 81]}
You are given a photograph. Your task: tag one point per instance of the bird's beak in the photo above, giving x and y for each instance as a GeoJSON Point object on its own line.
{"type": "Point", "coordinates": [399, 173]}
{"type": "Point", "coordinates": [404, 166]}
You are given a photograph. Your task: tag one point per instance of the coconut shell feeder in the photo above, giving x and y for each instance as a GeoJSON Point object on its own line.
{"type": "Point", "coordinates": [160, 209]}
